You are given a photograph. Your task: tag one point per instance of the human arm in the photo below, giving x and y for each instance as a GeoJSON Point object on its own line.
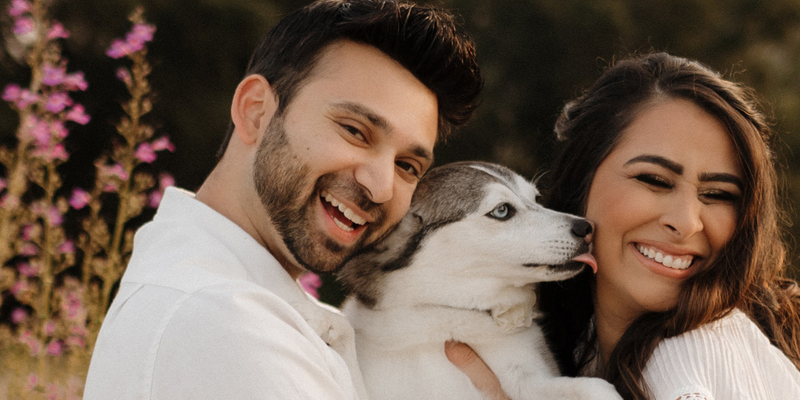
{"type": "Point", "coordinates": [244, 343]}
{"type": "Point", "coordinates": [463, 357]}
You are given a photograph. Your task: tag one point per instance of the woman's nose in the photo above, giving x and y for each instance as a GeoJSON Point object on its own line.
{"type": "Point", "coordinates": [682, 215]}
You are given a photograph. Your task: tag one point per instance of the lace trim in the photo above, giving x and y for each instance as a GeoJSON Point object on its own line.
{"type": "Point", "coordinates": [693, 396]}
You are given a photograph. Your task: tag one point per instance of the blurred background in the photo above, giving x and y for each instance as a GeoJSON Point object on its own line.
{"type": "Point", "coordinates": [535, 55]}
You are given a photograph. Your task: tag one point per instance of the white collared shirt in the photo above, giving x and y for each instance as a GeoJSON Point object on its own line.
{"type": "Point", "coordinates": [204, 312]}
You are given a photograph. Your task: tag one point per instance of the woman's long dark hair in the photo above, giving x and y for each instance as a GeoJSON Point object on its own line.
{"type": "Point", "coordinates": [747, 275]}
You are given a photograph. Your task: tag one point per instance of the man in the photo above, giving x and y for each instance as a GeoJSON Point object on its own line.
{"type": "Point", "coordinates": [332, 127]}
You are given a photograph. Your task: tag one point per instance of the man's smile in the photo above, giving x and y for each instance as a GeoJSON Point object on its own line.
{"type": "Point", "coordinates": [344, 217]}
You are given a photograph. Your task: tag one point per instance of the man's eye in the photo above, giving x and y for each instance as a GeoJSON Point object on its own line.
{"type": "Point", "coordinates": [654, 180]}
{"type": "Point", "coordinates": [355, 132]}
{"type": "Point", "coordinates": [408, 168]}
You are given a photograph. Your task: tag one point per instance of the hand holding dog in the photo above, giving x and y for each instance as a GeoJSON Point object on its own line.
{"type": "Point", "coordinates": [463, 357]}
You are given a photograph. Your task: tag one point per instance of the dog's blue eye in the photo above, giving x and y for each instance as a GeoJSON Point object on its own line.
{"type": "Point", "coordinates": [502, 212]}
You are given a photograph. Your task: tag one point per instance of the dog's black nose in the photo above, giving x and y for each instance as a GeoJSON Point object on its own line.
{"type": "Point", "coordinates": [582, 228]}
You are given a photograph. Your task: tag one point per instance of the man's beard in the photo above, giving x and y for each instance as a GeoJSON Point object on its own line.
{"type": "Point", "coordinates": [280, 180]}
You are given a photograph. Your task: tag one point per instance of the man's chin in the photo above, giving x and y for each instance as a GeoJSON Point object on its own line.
{"type": "Point", "coordinates": [322, 262]}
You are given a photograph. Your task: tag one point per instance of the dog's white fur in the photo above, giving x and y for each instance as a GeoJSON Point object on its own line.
{"type": "Point", "coordinates": [452, 270]}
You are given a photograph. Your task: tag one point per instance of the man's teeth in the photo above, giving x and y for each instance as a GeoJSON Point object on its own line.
{"type": "Point", "coordinates": [342, 226]}
{"type": "Point", "coordinates": [348, 213]}
{"type": "Point", "coordinates": [668, 260]}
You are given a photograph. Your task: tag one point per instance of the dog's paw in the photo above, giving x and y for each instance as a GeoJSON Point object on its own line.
{"type": "Point", "coordinates": [331, 326]}
{"type": "Point", "coordinates": [516, 316]}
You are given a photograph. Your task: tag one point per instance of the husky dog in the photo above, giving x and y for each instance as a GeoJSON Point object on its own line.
{"type": "Point", "coordinates": [463, 265]}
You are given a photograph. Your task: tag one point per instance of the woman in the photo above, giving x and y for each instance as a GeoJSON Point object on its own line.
{"type": "Point", "coordinates": [672, 163]}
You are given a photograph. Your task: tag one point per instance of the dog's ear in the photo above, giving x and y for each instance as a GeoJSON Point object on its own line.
{"type": "Point", "coordinates": [362, 274]}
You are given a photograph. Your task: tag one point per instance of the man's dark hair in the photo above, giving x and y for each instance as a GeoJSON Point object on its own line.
{"type": "Point", "coordinates": [426, 41]}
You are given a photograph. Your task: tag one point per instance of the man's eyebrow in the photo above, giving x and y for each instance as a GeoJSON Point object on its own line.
{"type": "Point", "coordinates": [378, 120]}
{"type": "Point", "coordinates": [722, 177]}
{"type": "Point", "coordinates": [658, 160]}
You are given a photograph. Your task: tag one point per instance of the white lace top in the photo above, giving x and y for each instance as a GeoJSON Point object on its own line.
{"type": "Point", "coordinates": [728, 359]}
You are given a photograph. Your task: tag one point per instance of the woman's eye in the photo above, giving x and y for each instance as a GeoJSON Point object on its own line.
{"type": "Point", "coordinates": [654, 180]}
{"type": "Point", "coordinates": [502, 212]}
{"type": "Point", "coordinates": [721, 196]}
{"type": "Point", "coordinates": [408, 168]}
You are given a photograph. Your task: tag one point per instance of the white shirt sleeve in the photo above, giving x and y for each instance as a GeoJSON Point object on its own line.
{"type": "Point", "coordinates": [244, 344]}
{"type": "Point", "coordinates": [727, 359]}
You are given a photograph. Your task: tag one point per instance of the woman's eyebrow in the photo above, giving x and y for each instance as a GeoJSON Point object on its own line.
{"type": "Point", "coordinates": [678, 169]}
{"type": "Point", "coordinates": [658, 160]}
{"type": "Point", "coordinates": [722, 177]}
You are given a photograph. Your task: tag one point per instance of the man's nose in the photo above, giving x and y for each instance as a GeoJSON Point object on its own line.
{"type": "Point", "coordinates": [377, 175]}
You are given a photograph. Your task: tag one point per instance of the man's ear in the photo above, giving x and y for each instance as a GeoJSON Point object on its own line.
{"type": "Point", "coordinates": [253, 106]}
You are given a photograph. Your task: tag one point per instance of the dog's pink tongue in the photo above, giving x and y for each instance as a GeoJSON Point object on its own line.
{"type": "Point", "coordinates": [588, 259]}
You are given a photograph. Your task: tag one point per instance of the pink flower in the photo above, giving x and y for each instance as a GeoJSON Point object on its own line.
{"type": "Point", "coordinates": [163, 143]}
{"type": "Point", "coordinates": [50, 154]}
{"type": "Point", "coordinates": [23, 26]}
{"type": "Point", "coordinates": [20, 287]}
{"type": "Point", "coordinates": [57, 102]}
{"type": "Point", "coordinates": [57, 31]}
{"type": "Point", "coordinates": [141, 33]}
{"type": "Point", "coordinates": [75, 81]}
{"type": "Point", "coordinates": [9, 201]}
{"type": "Point", "coordinates": [18, 315]}
{"type": "Point", "coordinates": [154, 198]}
{"type": "Point", "coordinates": [165, 180]}
{"type": "Point", "coordinates": [59, 153]}
{"type": "Point", "coordinates": [118, 49]}
{"type": "Point", "coordinates": [18, 7]}
{"type": "Point", "coordinates": [117, 170]}
{"type": "Point", "coordinates": [80, 198]}
{"type": "Point", "coordinates": [76, 341]}
{"type": "Point", "coordinates": [80, 331]}
{"type": "Point", "coordinates": [68, 247]}
{"type": "Point", "coordinates": [49, 328]}
{"type": "Point", "coordinates": [12, 93]}
{"type": "Point", "coordinates": [40, 132]}
{"type": "Point", "coordinates": [55, 348]}
{"type": "Point", "coordinates": [28, 249]}
{"type": "Point", "coordinates": [57, 128]}
{"type": "Point", "coordinates": [29, 339]}
{"type": "Point", "coordinates": [124, 75]}
{"type": "Point", "coordinates": [53, 75]}
{"type": "Point", "coordinates": [145, 153]}
{"type": "Point", "coordinates": [78, 114]}
{"type": "Point", "coordinates": [26, 98]}
{"type": "Point", "coordinates": [32, 381]}
{"type": "Point", "coordinates": [27, 270]}
{"type": "Point", "coordinates": [55, 216]}
{"type": "Point", "coordinates": [310, 282]}
{"type": "Point", "coordinates": [27, 232]}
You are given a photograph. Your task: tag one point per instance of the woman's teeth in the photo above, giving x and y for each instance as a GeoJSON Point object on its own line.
{"type": "Point", "coordinates": [669, 260]}
{"type": "Point", "coordinates": [348, 213]}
